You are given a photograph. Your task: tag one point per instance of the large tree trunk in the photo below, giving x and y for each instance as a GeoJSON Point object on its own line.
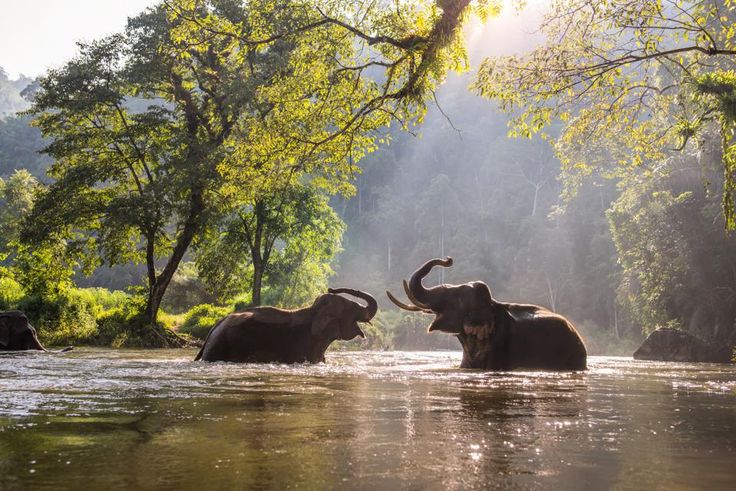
{"type": "Point", "coordinates": [257, 282]}
{"type": "Point", "coordinates": [258, 258]}
{"type": "Point", "coordinates": [192, 225]}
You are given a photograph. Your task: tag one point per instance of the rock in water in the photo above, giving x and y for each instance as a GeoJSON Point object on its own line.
{"type": "Point", "coordinates": [667, 344]}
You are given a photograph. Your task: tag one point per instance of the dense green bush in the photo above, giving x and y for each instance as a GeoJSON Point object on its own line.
{"type": "Point", "coordinates": [91, 316]}
{"type": "Point", "coordinates": [10, 293]}
{"type": "Point", "coordinates": [121, 326]}
{"type": "Point", "coordinates": [64, 318]}
{"type": "Point", "coordinates": [102, 300]}
{"type": "Point", "coordinates": [199, 320]}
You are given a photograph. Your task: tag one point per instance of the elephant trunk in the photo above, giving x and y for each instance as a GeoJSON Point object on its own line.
{"type": "Point", "coordinates": [369, 310]}
{"type": "Point", "coordinates": [427, 296]}
{"type": "Point", "coordinates": [37, 343]}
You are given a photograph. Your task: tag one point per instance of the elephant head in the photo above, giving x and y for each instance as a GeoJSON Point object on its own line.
{"type": "Point", "coordinates": [466, 308]}
{"type": "Point", "coordinates": [336, 317]}
{"type": "Point", "coordinates": [16, 333]}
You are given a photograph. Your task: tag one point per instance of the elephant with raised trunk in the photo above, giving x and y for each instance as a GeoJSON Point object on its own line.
{"type": "Point", "coordinates": [17, 334]}
{"type": "Point", "coordinates": [495, 335]}
{"type": "Point", "coordinates": [269, 334]}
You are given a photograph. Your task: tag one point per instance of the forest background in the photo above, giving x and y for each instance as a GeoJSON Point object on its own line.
{"type": "Point", "coordinates": [620, 257]}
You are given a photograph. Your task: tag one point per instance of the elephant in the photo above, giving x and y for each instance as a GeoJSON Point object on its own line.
{"type": "Point", "coordinates": [17, 334]}
{"type": "Point", "coordinates": [270, 334]}
{"type": "Point", "coordinates": [495, 335]}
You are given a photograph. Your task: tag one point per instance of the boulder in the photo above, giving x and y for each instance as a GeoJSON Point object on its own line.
{"type": "Point", "coordinates": [667, 344]}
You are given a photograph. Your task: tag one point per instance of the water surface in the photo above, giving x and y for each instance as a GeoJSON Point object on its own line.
{"type": "Point", "coordinates": [123, 419]}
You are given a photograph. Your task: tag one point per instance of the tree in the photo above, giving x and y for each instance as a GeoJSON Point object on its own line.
{"type": "Point", "coordinates": [40, 270]}
{"type": "Point", "coordinates": [274, 241]}
{"type": "Point", "coordinates": [242, 98]}
{"type": "Point", "coordinates": [632, 79]}
{"type": "Point", "coordinates": [678, 262]}
{"type": "Point", "coordinates": [16, 201]}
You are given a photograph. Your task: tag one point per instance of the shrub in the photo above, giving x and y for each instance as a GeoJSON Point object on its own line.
{"type": "Point", "coordinates": [171, 321]}
{"type": "Point", "coordinates": [126, 327]}
{"type": "Point", "coordinates": [200, 319]}
{"type": "Point", "coordinates": [120, 326]}
{"type": "Point", "coordinates": [10, 293]}
{"type": "Point", "coordinates": [101, 300]}
{"type": "Point", "coordinates": [64, 318]}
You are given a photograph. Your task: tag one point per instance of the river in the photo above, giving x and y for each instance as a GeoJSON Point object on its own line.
{"type": "Point", "coordinates": [129, 419]}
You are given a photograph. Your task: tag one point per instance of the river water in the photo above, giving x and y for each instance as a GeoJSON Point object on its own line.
{"type": "Point", "coordinates": [125, 419]}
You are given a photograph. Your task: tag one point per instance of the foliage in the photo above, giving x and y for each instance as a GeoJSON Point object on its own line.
{"type": "Point", "coordinates": [199, 320]}
{"type": "Point", "coordinates": [67, 317]}
{"type": "Point", "coordinates": [483, 199]}
{"type": "Point", "coordinates": [243, 97]}
{"type": "Point", "coordinates": [11, 292]}
{"type": "Point", "coordinates": [82, 316]}
{"type": "Point", "coordinates": [716, 93]}
{"type": "Point", "coordinates": [283, 242]}
{"type": "Point", "coordinates": [101, 300]}
{"type": "Point", "coordinates": [124, 327]}
{"type": "Point", "coordinates": [16, 201]}
{"type": "Point", "coordinates": [43, 269]}
{"type": "Point", "coordinates": [678, 262]}
{"type": "Point", "coordinates": [630, 78]}
{"type": "Point", "coordinates": [63, 318]}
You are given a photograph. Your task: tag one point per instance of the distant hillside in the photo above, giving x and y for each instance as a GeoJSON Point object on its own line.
{"type": "Point", "coordinates": [10, 99]}
{"type": "Point", "coordinates": [20, 143]}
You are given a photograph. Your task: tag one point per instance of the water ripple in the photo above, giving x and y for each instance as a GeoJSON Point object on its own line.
{"type": "Point", "coordinates": [363, 420]}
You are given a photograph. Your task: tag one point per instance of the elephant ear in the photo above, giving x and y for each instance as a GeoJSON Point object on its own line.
{"type": "Point", "coordinates": [482, 294]}
{"type": "Point", "coordinates": [4, 333]}
{"type": "Point", "coordinates": [483, 307]}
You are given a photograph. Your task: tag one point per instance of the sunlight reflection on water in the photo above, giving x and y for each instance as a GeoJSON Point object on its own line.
{"type": "Point", "coordinates": [142, 419]}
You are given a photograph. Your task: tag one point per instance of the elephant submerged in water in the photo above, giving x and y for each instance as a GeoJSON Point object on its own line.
{"type": "Point", "coordinates": [17, 334]}
{"type": "Point", "coordinates": [269, 334]}
{"type": "Point", "coordinates": [495, 335]}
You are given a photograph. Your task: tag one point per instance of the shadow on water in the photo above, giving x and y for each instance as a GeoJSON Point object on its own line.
{"type": "Point", "coordinates": [134, 419]}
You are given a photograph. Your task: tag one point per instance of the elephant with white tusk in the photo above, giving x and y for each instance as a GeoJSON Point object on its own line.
{"type": "Point", "coordinates": [495, 335]}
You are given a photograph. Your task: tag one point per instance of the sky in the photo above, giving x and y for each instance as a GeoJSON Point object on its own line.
{"type": "Point", "coordinates": [39, 34]}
